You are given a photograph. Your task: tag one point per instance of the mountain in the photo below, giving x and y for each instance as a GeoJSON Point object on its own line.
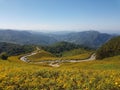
{"type": "Point", "coordinates": [111, 48]}
{"type": "Point", "coordinates": [24, 37]}
{"type": "Point", "coordinates": [92, 39]}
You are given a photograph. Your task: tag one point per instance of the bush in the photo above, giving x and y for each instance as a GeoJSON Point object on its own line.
{"type": "Point", "coordinates": [4, 56]}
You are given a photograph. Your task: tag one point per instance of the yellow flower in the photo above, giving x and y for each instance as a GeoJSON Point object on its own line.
{"type": "Point", "coordinates": [90, 81]}
{"type": "Point", "coordinates": [116, 83]}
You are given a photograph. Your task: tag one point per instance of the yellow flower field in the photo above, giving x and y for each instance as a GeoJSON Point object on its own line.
{"type": "Point", "coordinates": [16, 75]}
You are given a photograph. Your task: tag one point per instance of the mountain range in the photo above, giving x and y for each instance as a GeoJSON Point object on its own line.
{"type": "Point", "coordinates": [25, 37]}
{"type": "Point", "coordinates": [92, 39]}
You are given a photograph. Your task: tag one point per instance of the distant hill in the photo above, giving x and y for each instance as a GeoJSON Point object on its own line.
{"type": "Point", "coordinates": [24, 37]}
{"type": "Point", "coordinates": [111, 48]}
{"type": "Point", "coordinates": [92, 39]}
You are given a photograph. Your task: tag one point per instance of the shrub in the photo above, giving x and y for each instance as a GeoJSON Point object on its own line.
{"type": "Point", "coordinates": [4, 56]}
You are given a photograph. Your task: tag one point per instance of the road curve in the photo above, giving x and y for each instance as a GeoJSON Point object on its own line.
{"type": "Point", "coordinates": [55, 63]}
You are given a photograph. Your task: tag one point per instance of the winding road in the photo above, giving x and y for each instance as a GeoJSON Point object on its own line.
{"type": "Point", "coordinates": [55, 63]}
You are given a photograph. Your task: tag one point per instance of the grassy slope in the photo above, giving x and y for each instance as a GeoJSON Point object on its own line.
{"type": "Point", "coordinates": [100, 75]}
{"type": "Point", "coordinates": [111, 63]}
{"type": "Point", "coordinates": [75, 54]}
{"type": "Point", "coordinates": [42, 55]}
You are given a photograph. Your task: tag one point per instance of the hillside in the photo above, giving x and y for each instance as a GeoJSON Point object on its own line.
{"type": "Point", "coordinates": [60, 47]}
{"type": "Point", "coordinates": [76, 54]}
{"type": "Point", "coordinates": [44, 56]}
{"type": "Point", "coordinates": [16, 75]}
{"type": "Point", "coordinates": [41, 55]}
{"type": "Point", "coordinates": [111, 48]}
{"type": "Point", "coordinates": [15, 49]}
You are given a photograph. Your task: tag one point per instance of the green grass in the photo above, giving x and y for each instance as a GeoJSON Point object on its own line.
{"type": "Point", "coordinates": [105, 64]}
{"type": "Point", "coordinates": [78, 57]}
{"type": "Point", "coordinates": [42, 55]}
{"type": "Point", "coordinates": [75, 54]}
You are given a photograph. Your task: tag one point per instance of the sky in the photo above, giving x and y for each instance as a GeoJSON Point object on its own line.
{"type": "Point", "coordinates": [60, 15]}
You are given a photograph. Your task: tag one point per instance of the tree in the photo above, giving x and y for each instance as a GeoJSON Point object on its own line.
{"type": "Point", "coordinates": [4, 56]}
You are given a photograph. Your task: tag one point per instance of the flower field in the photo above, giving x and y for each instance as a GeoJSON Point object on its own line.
{"type": "Point", "coordinates": [16, 75]}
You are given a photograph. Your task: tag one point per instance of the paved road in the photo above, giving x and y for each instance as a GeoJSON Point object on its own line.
{"type": "Point", "coordinates": [55, 63]}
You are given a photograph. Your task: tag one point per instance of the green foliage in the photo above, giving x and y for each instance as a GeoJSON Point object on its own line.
{"type": "Point", "coordinates": [15, 49]}
{"type": "Point", "coordinates": [111, 48]}
{"type": "Point", "coordinates": [4, 56]}
{"type": "Point", "coordinates": [61, 47]}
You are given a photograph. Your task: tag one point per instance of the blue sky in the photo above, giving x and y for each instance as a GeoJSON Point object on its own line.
{"type": "Point", "coordinates": [56, 15]}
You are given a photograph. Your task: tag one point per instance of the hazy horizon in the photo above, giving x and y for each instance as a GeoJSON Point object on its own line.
{"type": "Point", "coordinates": [60, 15]}
{"type": "Point", "coordinates": [64, 31]}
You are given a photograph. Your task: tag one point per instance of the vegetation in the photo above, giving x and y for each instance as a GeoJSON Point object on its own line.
{"type": "Point", "coordinates": [60, 47]}
{"type": "Point", "coordinates": [111, 48]}
{"type": "Point", "coordinates": [15, 49]}
{"type": "Point", "coordinates": [91, 75]}
{"type": "Point", "coordinates": [75, 54]}
{"type": "Point", "coordinates": [42, 55]}
{"type": "Point", "coordinates": [78, 57]}
{"type": "Point", "coordinates": [70, 76]}
{"type": "Point", "coordinates": [3, 56]}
